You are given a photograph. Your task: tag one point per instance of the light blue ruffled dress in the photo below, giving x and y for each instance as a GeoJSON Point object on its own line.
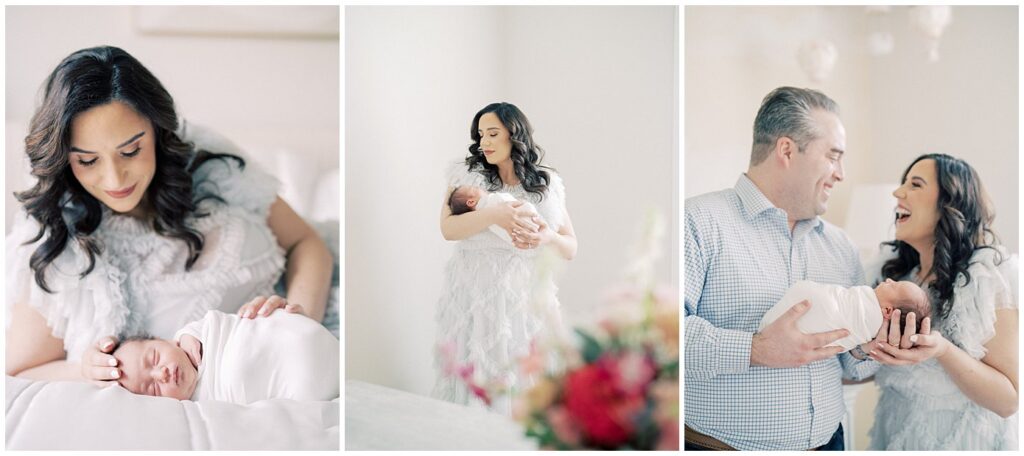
{"type": "Point", "coordinates": [920, 407]}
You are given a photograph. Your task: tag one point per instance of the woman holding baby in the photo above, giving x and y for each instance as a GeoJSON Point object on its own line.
{"type": "Point", "coordinates": [491, 307]}
{"type": "Point", "coordinates": [952, 384]}
{"type": "Point", "coordinates": [131, 229]}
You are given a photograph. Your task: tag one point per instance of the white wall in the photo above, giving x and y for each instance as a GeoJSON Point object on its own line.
{"type": "Point", "coordinates": [272, 95]}
{"type": "Point", "coordinates": [894, 107]}
{"type": "Point", "coordinates": [598, 85]}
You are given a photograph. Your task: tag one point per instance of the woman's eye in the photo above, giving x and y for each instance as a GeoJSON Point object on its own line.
{"type": "Point", "coordinates": [87, 163]}
{"type": "Point", "coordinates": [132, 153]}
{"type": "Point", "coordinates": [915, 185]}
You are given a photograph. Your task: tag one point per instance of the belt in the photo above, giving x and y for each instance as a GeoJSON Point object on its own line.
{"type": "Point", "coordinates": [696, 438]}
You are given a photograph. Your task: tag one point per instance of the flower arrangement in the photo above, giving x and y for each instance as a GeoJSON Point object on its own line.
{"type": "Point", "coordinates": [617, 386]}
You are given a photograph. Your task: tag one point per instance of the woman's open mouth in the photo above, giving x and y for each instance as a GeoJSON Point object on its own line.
{"type": "Point", "coordinates": [121, 193]}
{"type": "Point", "coordinates": [902, 215]}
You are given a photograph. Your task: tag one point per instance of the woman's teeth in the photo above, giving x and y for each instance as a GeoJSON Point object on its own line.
{"type": "Point", "coordinates": [902, 214]}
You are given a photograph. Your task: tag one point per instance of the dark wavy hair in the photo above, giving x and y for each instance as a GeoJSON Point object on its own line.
{"type": "Point", "coordinates": [65, 210]}
{"type": "Point", "coordinates": [526, 154]}
{"type": "Point", "coordinates": [965, 225]}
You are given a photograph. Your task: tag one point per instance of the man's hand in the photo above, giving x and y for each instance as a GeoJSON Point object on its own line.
{"type": "Point", "coordinates": [781, 344]}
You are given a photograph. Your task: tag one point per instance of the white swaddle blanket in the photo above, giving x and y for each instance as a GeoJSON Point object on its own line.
{"type": "Point", "coordinates": [500, 197]}
{"type": "Point", "coordinates": [283, 356]}
{"type": "Point", "coordinates": [832, 307]}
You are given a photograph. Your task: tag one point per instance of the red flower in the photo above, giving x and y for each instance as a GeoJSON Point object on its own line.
{"type": "Point", "coordinates": [604, 403]}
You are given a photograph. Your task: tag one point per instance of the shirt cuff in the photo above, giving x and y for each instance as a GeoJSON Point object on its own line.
{"type": "Point", "coordinates": [734, 351]}
{"type": "Point", "coordinates": [857, 369]}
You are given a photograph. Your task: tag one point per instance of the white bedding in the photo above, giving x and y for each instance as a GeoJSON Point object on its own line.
{"type": "Point", "coordinates": [43, 415]}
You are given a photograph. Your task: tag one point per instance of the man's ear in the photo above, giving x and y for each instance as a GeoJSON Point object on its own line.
{"type": "Point", "coordinates": [784, 150]}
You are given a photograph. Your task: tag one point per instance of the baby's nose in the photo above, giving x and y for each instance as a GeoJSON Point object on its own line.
{"type": "Point", "coordinates": [161, 373]}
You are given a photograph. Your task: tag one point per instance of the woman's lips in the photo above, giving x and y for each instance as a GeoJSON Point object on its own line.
{"type": "Point", "coordinates": [121, 193]}
{"type": "Point", "coordinates": [488, 151]}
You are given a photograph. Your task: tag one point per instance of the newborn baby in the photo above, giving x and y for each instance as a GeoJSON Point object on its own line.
{"type": "Point", "coordinates": [228, 358]}
{"type": "Point", "coordinates": [469, 198]}
{"type": "Point", "coordinates": [859, 309]}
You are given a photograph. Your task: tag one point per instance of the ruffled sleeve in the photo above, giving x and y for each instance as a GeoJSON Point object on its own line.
{"type": "Point", "coordinates": [971, 321]}
{"type": "Point", "coordinates": [555, 202]}
{"type": "Point", "coordinates": [248, 187]}
{"type": "Point", "coordinates": [80, 310]}
{"type": "Point", "coordinates": [458, 174]}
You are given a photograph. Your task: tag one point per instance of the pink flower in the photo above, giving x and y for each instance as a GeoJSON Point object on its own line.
{"type": "Point", "coordinates": [563, 426]}
{"type": "Point", "coordinates": [479, 392]}
{"type": "Point", "coordinates": [636, 370]}
{"type": "Point", "coordinates": [533, 362]}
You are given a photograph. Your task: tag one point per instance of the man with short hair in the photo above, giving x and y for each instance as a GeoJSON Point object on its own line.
{"type": "Point", "coordinates": [778, 389]}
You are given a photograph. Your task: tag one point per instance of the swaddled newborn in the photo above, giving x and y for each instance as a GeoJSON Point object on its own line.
{"type": "Point", "coordinates": [228, 358]}
{"type": "Point", "coordinates": [859, 309]}
{"type": "Point", "coordinates": [468, 198]}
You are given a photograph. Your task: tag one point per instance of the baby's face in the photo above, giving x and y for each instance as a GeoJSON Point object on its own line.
{"type": "Point", "coordinates": [891, 291]}
{"type": "Point", "coordinates": [472, 194]}
{"type": "Point", "coordinates": [156, 368]}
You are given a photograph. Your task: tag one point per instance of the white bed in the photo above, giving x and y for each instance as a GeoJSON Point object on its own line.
{"type": "Point", "coordinates": [45, 415]}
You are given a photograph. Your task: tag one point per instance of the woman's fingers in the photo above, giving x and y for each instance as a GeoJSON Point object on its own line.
{"type": "Point", "coordinates": [106, 344]}
{"type": "Point", "coordinates": [270, 305]}
{"type": "Point", "coordinates": [894, 328]}
{"type": "Point", "coordinates": [261, 306]}
{"type": "Point", "coordinates": [294, 308]}
{"type": "Point", "coordinates": [881, 356]}
{"type": "Point", "coordinates": [101, 359]}
{"type": "Point", "coordinates": [910, 329]}
{"type": "Point", "coordinates": [102, 373]}
{"type": "Point", "coordinates": [926, 326]}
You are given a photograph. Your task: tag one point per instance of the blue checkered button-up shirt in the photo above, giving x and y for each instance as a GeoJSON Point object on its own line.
{"type": "Point", "coordinates": [740, 258]}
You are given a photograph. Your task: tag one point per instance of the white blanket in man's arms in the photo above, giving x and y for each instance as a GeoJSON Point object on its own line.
{"type": "Point", "coordinates": [283, 356]}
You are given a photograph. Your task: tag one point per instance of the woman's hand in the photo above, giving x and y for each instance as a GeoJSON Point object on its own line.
{"type": "Point", "coordinates": [512, 216]}
{"type": "Point", "coordinates": [895, 349]}
{"type": "Point", "coordinates": [98, 364]}
{"type": "Point", "coordinates": [532, 240]}
{"type": "Point", "coordinates": [263, 307]}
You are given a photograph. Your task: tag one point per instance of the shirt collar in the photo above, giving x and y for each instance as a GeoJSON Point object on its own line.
{"type": "Point", "coordinates": [754, 202]}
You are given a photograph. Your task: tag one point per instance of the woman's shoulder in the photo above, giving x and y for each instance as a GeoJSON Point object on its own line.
{"type": "Point", "coordinates": [227, 172]}
{"type": "Point", "coordinates": [993, 272]}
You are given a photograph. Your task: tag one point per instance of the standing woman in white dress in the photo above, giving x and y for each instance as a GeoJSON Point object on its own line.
{"type": "Point", "coordinates": [484, 311]}
{"type": "Point", "coordinates": [956, 388]}
{"type": "Point", "coordinates": [131, 229]}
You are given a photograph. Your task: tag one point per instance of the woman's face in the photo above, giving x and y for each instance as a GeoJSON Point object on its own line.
{"type": "Point", "coordinates": [917, 211]}
{"type": "Point", "coordinates": [495, 139]}
{"type": "Point", "coordinates": [113, 155]}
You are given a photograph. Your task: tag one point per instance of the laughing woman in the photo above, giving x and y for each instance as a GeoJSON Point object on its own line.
{"type": "Point", "coordinates": [484, 314]}
{"type": "Point", "coordinates": [954, 385]}
{"type": "Point", "coordinates": [131, 230]}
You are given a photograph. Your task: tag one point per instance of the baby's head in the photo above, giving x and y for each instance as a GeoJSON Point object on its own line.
{"type": "Point", "coordinates": [905, 296]}
{"type": "Point", "coordinates": [156, 367]}
{"type": "Point", "coordinates": [465, 198]}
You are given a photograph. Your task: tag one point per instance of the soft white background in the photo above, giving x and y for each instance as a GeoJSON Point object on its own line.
{"type": "Point", "coordinates": [276, 96]}
{"type": "Point", "coordinates": [597, 83]}
{"type": "Point", "coordinates": [894, 107]}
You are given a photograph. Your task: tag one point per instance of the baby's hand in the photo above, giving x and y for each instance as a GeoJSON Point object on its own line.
{"type": "Point", "coordinates": [193, 348]}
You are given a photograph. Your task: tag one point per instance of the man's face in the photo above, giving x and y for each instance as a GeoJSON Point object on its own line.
{"type": "Point", "coordinates": [818, 168]}
{"type": "Point", "coordinates": [156, 368]}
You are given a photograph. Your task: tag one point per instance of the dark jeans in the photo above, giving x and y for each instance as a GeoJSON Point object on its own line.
{"type": "Point", "coordinates": [834, 444]}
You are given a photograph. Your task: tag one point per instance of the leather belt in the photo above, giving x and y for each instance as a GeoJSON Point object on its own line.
{"type": "Point", "coordinates": [696, 438]}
